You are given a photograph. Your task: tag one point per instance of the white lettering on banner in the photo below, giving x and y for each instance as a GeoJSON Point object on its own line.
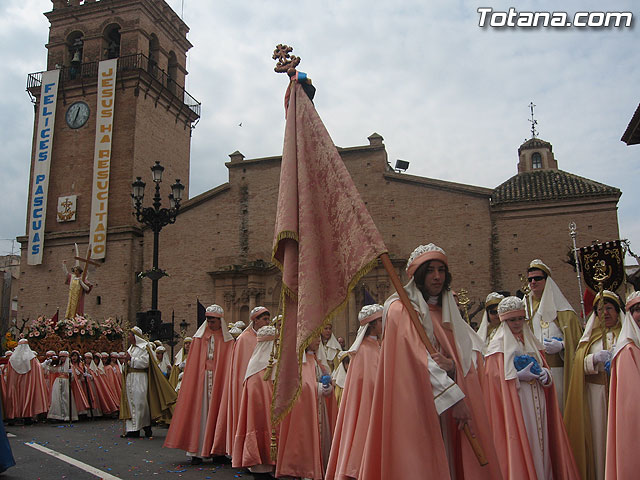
{"type": "Point", "coordinates": [102, 157]}
{"type": "Point", "coordinates": [42, 166]}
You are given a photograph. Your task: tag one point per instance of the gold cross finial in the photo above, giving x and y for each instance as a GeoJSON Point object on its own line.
{"type": "Point", "coordinates": [286, 63]}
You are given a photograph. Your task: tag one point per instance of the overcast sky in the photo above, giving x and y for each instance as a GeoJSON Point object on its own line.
{"type": "Point", "coordinates": [448, 96]}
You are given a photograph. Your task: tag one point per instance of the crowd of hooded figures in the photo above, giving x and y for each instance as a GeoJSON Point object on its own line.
{"type": "Point", "coordinates": [546, 395]}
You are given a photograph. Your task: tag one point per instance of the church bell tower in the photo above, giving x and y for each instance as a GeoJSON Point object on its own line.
{"type": "Point", "coordinates": [110, 103]}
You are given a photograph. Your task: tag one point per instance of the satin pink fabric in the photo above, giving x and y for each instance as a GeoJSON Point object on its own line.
{"type": "Point", "coordinates": [114, 377]}
{"type": "Point", "coordinates": [252, 442]}
{"type": "Point", "coordinates": [510, 433]}
{"type": "Point", "coordinates": [354, 413]}
{"type": "Point", "coordinates": [624, 417]}
{"type": "Point", "coordinates": [299, 452]}
{"type": "Point", "coordinates": [78, 389]}
{"type": "Point", "coordinates": [26, 394]}
{"type": "Point", "coordinates": [404, 438]}
{"type": "Point", "coordinates": [184, 431]}
{"type": "Point", "coordinates": [243, 348]}
{"type": "Point", "coordinates": [108, 403]}
{"type": "Point", "coordinates": [466, 463]}
{"type": "Point", "coordinates": [324, 236]}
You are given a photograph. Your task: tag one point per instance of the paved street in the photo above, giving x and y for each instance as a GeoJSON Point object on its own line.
{"type": "Point", "coordinates": [98, 444]}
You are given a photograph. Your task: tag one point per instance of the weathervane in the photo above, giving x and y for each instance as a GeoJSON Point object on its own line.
{"type": "Point", "coordinates": [286, 63]}
{"type": "Point", "coordinates": [534, 122]}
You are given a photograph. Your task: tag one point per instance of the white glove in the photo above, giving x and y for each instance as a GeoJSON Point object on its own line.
{"type": "Point", "coordinates": [551, 346]}
{"type": "Point", "coordinates": [526, 375]}
{"type": "Point", "coordinates": [544, 377]}
{"type": "Point", "coordinates": [324, 390]}
{"type": "Point", "coordinates": [603, 356]}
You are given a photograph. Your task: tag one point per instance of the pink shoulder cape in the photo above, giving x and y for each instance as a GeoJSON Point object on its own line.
{"type": "Point", "coordinates": [242, 351]}
{"type": "Point", "coordinates": [624, 416]}
{"type": "Point", "coordinates": [509, 431]}
{"type": "Point", "coordinates": [184, 431]}
{"type": "Point", "coordinates": [467, 464]}
{"type": "Point", "coordinates": [354, 412]}
{"type": "Point", "coordinates": [404, 420]}
{"type": "Point", "coordinates": [299, 451]}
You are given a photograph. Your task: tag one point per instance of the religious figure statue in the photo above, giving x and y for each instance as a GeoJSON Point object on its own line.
{"type": "Point", "coordinates": [77, 290]}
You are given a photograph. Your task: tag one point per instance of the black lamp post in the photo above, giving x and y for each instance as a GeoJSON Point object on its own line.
{"type": "Point", "coordinates": [156, 218]}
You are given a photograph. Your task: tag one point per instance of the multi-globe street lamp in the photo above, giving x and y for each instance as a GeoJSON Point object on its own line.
{"type": "Point", "coordinates": [156, 218]}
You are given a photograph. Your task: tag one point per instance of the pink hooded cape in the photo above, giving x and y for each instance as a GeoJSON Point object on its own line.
{"type": "Point", "coordinates": [509, 431]}
{"type": "Point", "coordinates": [354, 413]}
{"type": "Point", "coordinates": [242, 351]}
{"type": "Point", "coordinates": [252, 442]}
{"type": "Point", "coordinates": [624, 417]}
{"type": "Point", "coordinates": [184, 432]}
{"type": "Point", "coordinates": [26, 393]}
{"type": "Point", "coordinates": [404, 438]}
{"type": "Point", "coordinates": [299, 451]}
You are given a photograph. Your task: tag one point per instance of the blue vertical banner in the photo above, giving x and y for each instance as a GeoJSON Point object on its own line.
{"type": "Point", "coordinates": [42, 165]}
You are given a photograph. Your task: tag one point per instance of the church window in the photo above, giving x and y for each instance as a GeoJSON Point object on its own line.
{"type": "Point", "coordinates": [536, 160]}
{"type": "Point", "coordinates": [173, 72]}
{"type": "Point", "coordinates": [111, 42]}
{"type": "Point", "coordinates": [154, 51]}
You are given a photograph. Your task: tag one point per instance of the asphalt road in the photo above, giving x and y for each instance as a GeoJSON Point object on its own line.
{"type": "Point", "coordinates": [98, 444]}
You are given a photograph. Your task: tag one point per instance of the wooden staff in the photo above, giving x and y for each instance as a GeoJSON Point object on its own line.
{"type": "Point", "coordinates": [70, 398]}
{"type": "Point", "coordinates": [395, 280]}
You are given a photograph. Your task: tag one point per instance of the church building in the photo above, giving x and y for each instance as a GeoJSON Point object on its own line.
{"type": "Point", "coordinates": [219, 249]}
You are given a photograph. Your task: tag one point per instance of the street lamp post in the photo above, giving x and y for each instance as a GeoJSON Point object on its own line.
{"type": "Point", "coordinates": [156, 218]}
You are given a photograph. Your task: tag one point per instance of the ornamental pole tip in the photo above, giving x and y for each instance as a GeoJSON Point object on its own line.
{"type": "Point", "coordinates": [285, 63]}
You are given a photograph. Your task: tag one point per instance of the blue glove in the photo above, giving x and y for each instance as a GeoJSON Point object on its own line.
{"type": "Point", "coordinates": [325, 380]}
{"type": "Point", "coordinates": [521, 361]}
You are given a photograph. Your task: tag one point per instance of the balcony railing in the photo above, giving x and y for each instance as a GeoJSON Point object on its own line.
{"type": "Point", "coordinates": [128, 63]}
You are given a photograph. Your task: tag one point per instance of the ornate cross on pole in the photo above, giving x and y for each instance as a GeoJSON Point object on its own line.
{"type": "Point", "coordinates": [87, 261]}
{"type": "Point", "coordinates": [534, 122]}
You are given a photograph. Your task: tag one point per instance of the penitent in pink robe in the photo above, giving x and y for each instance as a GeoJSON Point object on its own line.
{"type": "Point", "coordinates": [509, 430]}
{"type": "Point", "coordinates": [623, 460]}
{"type": "Point", "coordinates": [252, 443]}
{"type": "Point", "coordinates": [26, 393]}
{"type": "Point", "coordinates": [187, 428]}
{"type": "Point", "coordinates": [299, 449]}
{"type": "Point", "coordinates": [354, 413]}
{"type": "Point", "coordinates": [243, 348]}
{"type": "Point", "coordinates": [404, 438]}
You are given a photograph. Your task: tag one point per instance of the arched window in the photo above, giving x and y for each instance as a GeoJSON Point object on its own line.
{"type": "Point", "coordinates": [111, 42]}
{"type": "Point", "coordinates": [172, 72]}
{"type": "Point", "coordinates": [73, 59]}
{"type": "Point", "coordinates": [536, 160]}
{"type": "Point", "coordinates": [154, 52]}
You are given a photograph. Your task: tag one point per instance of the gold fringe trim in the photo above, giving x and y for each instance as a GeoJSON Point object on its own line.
{"type": "Point", "coordinates": [274, 445]}
{"type": "Point", "coordinates": [328, 319]}
{"type": "Point", "coordinates": [283, 235]}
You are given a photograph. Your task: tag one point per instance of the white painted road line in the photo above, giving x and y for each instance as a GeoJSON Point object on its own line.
{"type": "Point", "coordinates": [72, 461]}
{"type": "Point", "coordinates": [10, 435]}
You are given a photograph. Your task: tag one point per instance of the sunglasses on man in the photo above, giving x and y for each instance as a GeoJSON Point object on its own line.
{"type": "Point", "coordinates": [537, 278]}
